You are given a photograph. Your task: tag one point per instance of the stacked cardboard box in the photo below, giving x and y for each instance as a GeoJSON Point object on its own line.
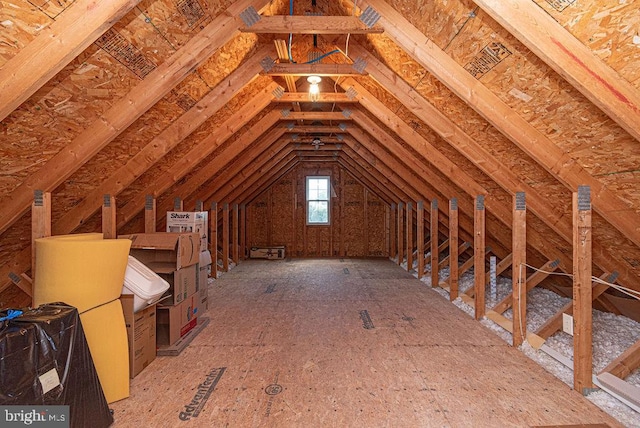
{"type": "Point", "coordinates": [141, 331]}
{"type": "Point", "coordinates": [175, 257]}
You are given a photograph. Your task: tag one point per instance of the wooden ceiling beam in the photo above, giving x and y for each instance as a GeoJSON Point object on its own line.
{"type": "Point", "coordinates": [335, 116]}
{"type": "Point", "coordinates": [570, 58]}
{"type": "Point", "coordinates": [323, 70]}
{"type": "Point", "coordinates": [124, 112]}
{"type": "Point", "coordinates": [307, 129]}
{"type": "Point", "coordinates": [55, 47]}
{"type": "Point", "coordinates": [486, 162]}
{"type": "Point", "coordinates": [545, 152]}
{"type": "Point", "coordinates": [298, 24]}
{"type": "Point", "coordinates": [325, 97]}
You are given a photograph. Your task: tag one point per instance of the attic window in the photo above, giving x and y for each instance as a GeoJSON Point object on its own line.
{"type": "Point", "coordinates": [318, 197]}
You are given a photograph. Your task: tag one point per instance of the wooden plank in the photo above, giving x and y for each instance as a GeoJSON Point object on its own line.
{"type": "Point", "coordinates": [316, 115]}
{"type": "Point", "coordinates": [149, 214]}
{"type": "Point", "coordinates": [479, 257]}
{"type": "Point", "coordinates": [554, 323]}
{"type": "Point", "coordinates": [400, 233]}
{"type": "Point", "coordinates": [182, 343]}
{"type": "Point", "coordinates": [235, 235]}
{"type": "Point", "coordinates": [582, 301]}
{"type": "Point", "coordinates": [225, 237]}
{"type": "Point", "coordinates": [435, 249]}
{"type": "Point", "coordinates": [213, 234]}
{"type": "Point", "coordinates": [302, 24]}
{"type": "Point", "coordinates": [109, 225]}
{"type": "Point", "coordinates": [628, 392]}
{"type": "Point", "coordinates": [325, 97]}
{"type": "Point", "coordinates": [519, 270]}
{"type": "Point", "coordinates": [420, 237]}
{"type": "Point", "coordinates": [570, 58]}
{"type": "Point", "coordinates": [626, 363]}
{"type": "Point", "coordinates": [545, 152]}
{"type": "Point", "coordinates": [409, 235]}
{"type": "Point", "coordinates": [56, 46]}
{"type": "Point", "coordinates": [124, 111]}
{"type": "Point", "coordinates": [40, 226]}
{"type": "Point", "coordinates": [453, 249]}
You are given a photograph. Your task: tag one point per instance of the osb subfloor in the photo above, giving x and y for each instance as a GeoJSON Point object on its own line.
{"type": "Point", "coordinates": [287, 347]}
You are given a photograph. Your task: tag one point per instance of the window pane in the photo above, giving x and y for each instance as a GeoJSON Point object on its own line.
{"type": "Point", "coordinates": [313, 194]}
{"type": "Point", "coordinates": [318, 212]}
{"type": "Point", "coordinates": [322, 194]}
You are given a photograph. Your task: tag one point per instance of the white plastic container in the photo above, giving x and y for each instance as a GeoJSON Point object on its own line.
{"type": "Point", "coordinates": [146, 286]}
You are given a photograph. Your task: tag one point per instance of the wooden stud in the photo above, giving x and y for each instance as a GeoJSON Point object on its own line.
{"type": "Point", "coordinates": [478, 257]}
{"type": "Point", "coordinates": [149, 214]}
{"type": "Point", "coordinates": [178, 204]}
{"type": "Point", "coordinates": [225, 237]}
{"type": "Point", "coordinates": [387, 229]}
{"type": "Point", "coordinates": [243, 231]}
{"type": "Point", "coordinates": [519, 271]}
{"type": "Point", "coordinates": [582, 301]}
{"type": "Point", "coordinates": [40, 224]}
{"type": "Point", "coordinates": [235, 236]}
{"type": "Point", "coordinates": [453, 249]}
{"type": "Point", "coordinates": [393, 252]}
{"type": "Point", "coordinates": [213, 235]}
{"type": "Point", "coordinates": [420, 238]}
{"type": "Point", "coordinates": [299, 24]}
{"type": "Point", "coordinates": [109, 223]}
{"type": "Point", "coordinates": [400, 233]}
{"type": "Point", "coordinates": [409, 234]}
{"type": "Point", "coordinates": [366, 220]}
{"type": "Point", "coordinates": [435, 248]}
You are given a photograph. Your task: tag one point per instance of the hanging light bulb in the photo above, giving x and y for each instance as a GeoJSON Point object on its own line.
{"type": "Point", "coordinates": [314, 89]}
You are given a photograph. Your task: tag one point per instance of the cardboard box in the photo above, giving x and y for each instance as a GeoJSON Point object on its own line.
{"type": "Point", "coordinates": [273, 253]}
{"type": "Point", "coordinates": [192, 222]}
{"type": "Point", "coordinates": [173, 322]}
{"type": "Point", "coordinates": [182, 283]}
{"type": "Point", "coordinates": [141, 332]}
{"type": "Point", "coordinates": [165, 250]}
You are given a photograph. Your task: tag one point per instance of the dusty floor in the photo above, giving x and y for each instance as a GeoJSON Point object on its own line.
{"type": "Point", "coordinates": [344, 343]}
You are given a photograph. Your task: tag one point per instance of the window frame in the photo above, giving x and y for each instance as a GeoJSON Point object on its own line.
{"type": "Point", "coordinates": [308, 200]}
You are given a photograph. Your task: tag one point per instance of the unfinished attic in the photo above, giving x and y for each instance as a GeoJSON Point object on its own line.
{"type": "Point", "coordinates": [401, 160]}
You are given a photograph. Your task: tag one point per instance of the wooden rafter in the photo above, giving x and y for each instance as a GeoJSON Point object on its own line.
{"type": "Point", "coordinates": [570, 58]}
{"type": "Point", "coordinates": [547, 154]}
{"type": "Point", "coordinates": [55, 47]}
{"type": "Point", "coordinates": [486, 162]}
{"type": "Point", "coordinates": [289, 69]}
{"type": "Point", "coordinates": [125, 111]}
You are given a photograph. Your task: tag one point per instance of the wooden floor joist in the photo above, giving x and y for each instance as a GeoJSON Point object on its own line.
{"type": "Point", "coordinates": [626, 363]}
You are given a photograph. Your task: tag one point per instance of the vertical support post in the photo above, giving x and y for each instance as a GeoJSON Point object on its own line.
{"type": "Point", "coordinates": [366, 221]}
{"type": "Point", "coordinates": [109, 225]}
{"type": "Point", "coordinates": [243, 232]}
{"type": "Point", "coordinates": [478, 257]}
{"type": "Point", "coordinates": [387, 229]}
{"type": "Point", "coordinates": [453, 249]}
{"type": "Point", "coordinates": [213, 234]}
{"type": "Point", "coordinates": [582, 302]}
{"type": "Point", "coordinates": [40, 224]}
{"type": "Point", "coordinates": [235, 244]}
{"type": "Point", "coordinates": [178, 204]}
{"type": "Point", "coordinates": [198, 205]}
{"type": "Point", "coordinates": [420, 237]}
{"type": "Point", "coordinates": [435, 274]}
{"type": "Point", "coordinates": [149, 214]}
{"type": "Point", "coordinates": [409, 236]}
{"type": "Point", "coordinates": [392, 231]}
{"type": "Point", "coordinates": [400, 234]}
{"type": "Point", "coordinates": [225, 237]}
{"type": "Point", "coordinates": [519, 272]}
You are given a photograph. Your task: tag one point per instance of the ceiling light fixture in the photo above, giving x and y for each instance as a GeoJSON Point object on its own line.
{"type": "Point", "coordinates": [314, 89]}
